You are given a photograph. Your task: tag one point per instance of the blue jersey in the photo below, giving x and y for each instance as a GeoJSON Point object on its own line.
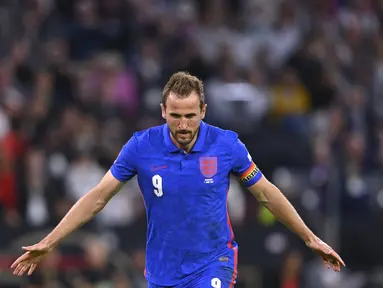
{"type": "Point", "coordinates": [185, 195]}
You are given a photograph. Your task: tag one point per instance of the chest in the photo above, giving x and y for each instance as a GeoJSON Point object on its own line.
{"type": "Point", "coordinates": [179, 176]}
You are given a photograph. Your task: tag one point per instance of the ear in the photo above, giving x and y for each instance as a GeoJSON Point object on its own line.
{"type": "Point", "coordinates": [203, 111]}
{"type": "Point", "coordinates": [163, 111]}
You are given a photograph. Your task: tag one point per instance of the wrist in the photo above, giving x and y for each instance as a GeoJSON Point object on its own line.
{"type": "Point", "coordinates": [309, 238]}
{"type": "Point", "coordinates": [50, 242]}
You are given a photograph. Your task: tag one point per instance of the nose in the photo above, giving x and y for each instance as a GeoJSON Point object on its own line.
{"type": "Point", "coordinates": [183, 124]}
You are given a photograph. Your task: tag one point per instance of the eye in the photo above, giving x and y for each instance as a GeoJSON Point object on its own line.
{"type": "Point", "coordinates": [190, 116]}
{"type": "Point", "coordinates": [176, 116]}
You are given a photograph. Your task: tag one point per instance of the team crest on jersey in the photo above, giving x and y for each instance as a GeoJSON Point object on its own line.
{"type": "Point", "coordinates": [208, 166]}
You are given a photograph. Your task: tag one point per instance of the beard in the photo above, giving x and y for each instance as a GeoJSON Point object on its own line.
{"type": "Point", "coordinates": [184, 138]}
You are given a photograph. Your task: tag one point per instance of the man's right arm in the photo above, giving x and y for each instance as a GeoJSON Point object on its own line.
{"type": "Point", "coordinates": [123, 169]}
{"type": "Point", "coordinates": [84, 209]}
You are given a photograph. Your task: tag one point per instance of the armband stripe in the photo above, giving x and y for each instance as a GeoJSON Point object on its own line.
{"type": "Point", "coordinates": [250, 173]}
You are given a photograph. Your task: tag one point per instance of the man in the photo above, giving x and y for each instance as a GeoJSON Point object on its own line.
{"type": "Point", "coordinates": [183, 170]}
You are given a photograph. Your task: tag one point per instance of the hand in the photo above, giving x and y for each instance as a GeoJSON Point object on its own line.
{"type": "Point", "coordinates": [328, 255]}
{"type": "Point", "coordinates": [30, 259]}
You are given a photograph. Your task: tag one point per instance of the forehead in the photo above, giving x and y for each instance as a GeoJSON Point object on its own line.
{"type": "Point", "coordinates": [182, 105]}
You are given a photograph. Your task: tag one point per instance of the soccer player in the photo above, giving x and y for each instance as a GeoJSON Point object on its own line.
{"type": "Point", "coordinates": [183, 170]}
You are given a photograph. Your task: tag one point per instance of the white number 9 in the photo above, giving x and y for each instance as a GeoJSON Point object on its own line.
{"type": "Point", "coordinates": [215, 283]}
{"type": "Point", "coordinates": [157, 183]}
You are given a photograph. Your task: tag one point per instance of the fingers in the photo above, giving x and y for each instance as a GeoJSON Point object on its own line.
{"type": "Point", "coordinates": [32, 268]}
{"type": "Point", "coordinates": [24, 263]}
{"type": "Point", "coordinates": [325, 261]}
{"type": "Point", "coordinates": [26, 255]}
{"type": "Point", "coordinates": [20, 269]}
{"type": "Point", "coordinates": [333, 256]}
{"type": "Point", "coordinates": [336, 267]}
{"type": "Point", "coordinates": [19, 260]}
{"type": "Point", "coordinates": [17, 269]}
{"type": "Point", "coordinates": [338, 259]}
{"type": "Point", "coordinates": [24, 267]}
{"type": "Point", "coordinates": [330, 260]}
{"type": "Point", "coordinates": [28, 261]}
{"type": "Point", "coordinates": [328, 255]}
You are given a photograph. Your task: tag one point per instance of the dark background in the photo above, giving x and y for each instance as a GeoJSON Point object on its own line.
{"type": "Point", "coordinates": [300, 81]}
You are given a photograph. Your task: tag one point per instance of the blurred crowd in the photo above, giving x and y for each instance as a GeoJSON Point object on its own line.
{"type": "Point", "coordinates": [300, 81]}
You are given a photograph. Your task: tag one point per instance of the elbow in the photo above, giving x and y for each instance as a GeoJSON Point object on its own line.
{"type": "Point", "coordinates": [263, 199]}
{"type": "Point", "coordinates": [100, 196]}
{"type": "Point", "coordinates": [95, 200]}
{"type": "Point", "coordinates": [262, 196]}
{"type": "Point", "coordinates": [99, 205]}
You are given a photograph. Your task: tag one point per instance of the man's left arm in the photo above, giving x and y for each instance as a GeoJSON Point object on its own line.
{"type": "Point", "coordinates": [273, 199]}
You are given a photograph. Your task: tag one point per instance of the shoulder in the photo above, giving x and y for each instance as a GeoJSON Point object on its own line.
{"type": "Point", "coordinates": [152, 133]}
{"type": "Point", "coordinates": [224, 138]}
{"type": "Point", "coordinates": [147, 139]}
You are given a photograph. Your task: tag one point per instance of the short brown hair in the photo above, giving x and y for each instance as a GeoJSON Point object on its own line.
{"type": "Point", "coordinates": [183, 84]}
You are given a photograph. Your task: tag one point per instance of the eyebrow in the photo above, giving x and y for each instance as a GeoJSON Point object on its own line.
{"type": "Point", "coordinates": [179, 115]}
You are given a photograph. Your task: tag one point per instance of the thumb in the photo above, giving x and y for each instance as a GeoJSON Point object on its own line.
{"type": "Point", "coordinates": [35, 247]}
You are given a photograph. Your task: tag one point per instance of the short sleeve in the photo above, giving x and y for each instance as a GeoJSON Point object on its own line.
{"type": "Point", "coordinates": [243, 165]}
{"type": "Point", "coordinates": [124, 167]}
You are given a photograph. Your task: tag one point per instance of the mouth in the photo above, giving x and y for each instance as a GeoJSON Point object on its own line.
{"type": "Point", "coordinates": [183, 132]}
{"type": "Point", "coordinates": [183, 136]}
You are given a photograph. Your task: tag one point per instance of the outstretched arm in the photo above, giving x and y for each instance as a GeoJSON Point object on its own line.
{"type": "Point", "coordinates": [85, 209]}
{"type": "Point", "coordinates": [95, 200]}
{"type": "Point", "coordinates": [273, 199]}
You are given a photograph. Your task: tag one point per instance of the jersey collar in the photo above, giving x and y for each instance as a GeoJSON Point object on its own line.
{"type": "Point", "coordinates": [199, 144]}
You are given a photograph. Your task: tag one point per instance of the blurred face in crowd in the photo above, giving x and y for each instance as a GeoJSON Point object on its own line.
{"type": "Point", "coordinates": [183, 116]}
{"type": "Point", "coordinates": [56, 52]}
{"type": "Point", "coordinates": [355, 145]}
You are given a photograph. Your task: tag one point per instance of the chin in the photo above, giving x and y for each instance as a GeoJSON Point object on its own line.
{"type": "Point", "coordinates": [184, 142]}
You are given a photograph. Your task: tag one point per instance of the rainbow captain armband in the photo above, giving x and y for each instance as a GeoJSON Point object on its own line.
{"type": "Point", "coordinates": [251, 175]}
